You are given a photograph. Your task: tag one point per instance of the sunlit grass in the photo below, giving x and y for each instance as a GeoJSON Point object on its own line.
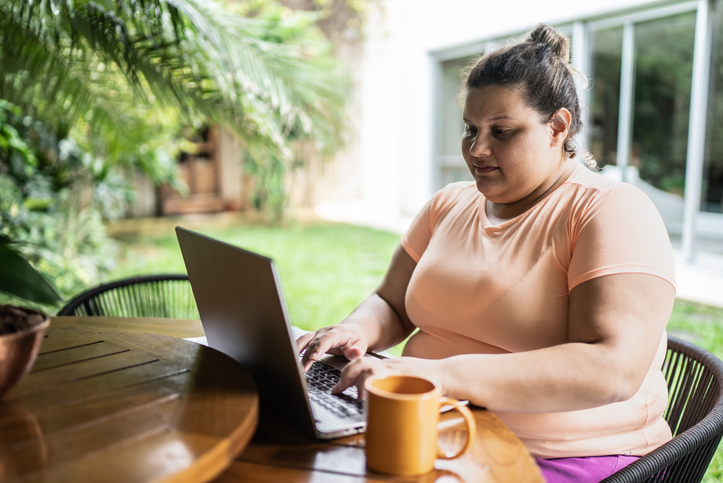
{"type": "Point", "coordinates": [326, 269]}
{"type": "Point", "coordinates": [699, 324]}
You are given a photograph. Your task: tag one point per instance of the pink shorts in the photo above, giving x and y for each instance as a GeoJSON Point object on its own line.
{"type": "Point", "coordinates": [589, 469]}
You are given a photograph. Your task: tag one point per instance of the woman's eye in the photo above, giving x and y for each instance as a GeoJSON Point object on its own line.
{"type": "Point", "coordinates": [469, 130]}
{"type": "Point", "coordinates": [500, 131]}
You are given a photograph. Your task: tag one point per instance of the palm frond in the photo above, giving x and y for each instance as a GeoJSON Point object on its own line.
{"type": "Point", "coordinates": [193, 54]}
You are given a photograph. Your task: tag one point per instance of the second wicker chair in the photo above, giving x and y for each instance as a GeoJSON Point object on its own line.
{"type": "Point", "coordinates": [168, 296]}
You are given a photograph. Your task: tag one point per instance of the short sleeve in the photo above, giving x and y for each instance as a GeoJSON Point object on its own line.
{"type": "Point", "coordinates": [417, 237]}
{"type": "Point", "coordinates": [619, 231]}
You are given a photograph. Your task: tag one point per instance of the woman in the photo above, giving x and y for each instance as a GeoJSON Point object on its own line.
{"type": "Point", "coordinates": [541, 291]}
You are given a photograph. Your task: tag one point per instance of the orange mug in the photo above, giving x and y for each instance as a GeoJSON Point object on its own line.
{"type": "Point", "coordinates": [403, 413]}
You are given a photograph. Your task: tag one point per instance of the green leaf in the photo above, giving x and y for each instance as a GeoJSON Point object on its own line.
{"type": "Point", "coordinates": [37, 204]}
{"type": "Point", "coordinates": [19, 278]}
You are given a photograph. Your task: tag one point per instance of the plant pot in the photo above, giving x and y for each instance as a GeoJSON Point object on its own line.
{"type": "Point", "coordinates": [21, 333]}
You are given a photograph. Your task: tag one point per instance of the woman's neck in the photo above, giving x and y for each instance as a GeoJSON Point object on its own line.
{"type": "Point", "coordinates": [498, 213]}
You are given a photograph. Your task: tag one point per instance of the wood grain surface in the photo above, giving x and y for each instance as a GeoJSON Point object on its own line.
{"type": "Point", "coordinates": [181, 328]}
{"type": "Point", "coordinates": [112, 406]}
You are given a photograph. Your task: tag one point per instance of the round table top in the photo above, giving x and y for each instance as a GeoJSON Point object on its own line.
{"type": "Point", "coordinates": [119, 406]}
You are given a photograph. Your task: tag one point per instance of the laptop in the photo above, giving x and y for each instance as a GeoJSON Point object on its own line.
{"type": "Point", "coordinates": [244, 316]}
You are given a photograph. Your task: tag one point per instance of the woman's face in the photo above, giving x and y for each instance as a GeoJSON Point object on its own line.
{"type": "Point", "coordinates": [511, 152]}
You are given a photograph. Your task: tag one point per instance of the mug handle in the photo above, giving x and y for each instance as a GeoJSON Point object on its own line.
{"type": "Point", "coordinates": [471, 427]}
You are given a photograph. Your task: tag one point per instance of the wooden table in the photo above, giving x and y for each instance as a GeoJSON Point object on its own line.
{"type": "Point", "coordinates": [280, 453]}
{"type": "Point", "coordinates": [109, 406]}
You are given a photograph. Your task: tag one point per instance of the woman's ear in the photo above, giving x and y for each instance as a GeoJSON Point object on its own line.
{"type": "Point", "coordinates": [560, 126]}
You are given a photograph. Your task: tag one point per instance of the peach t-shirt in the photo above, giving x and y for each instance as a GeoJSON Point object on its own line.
{"type": "Point", "coordinates": [495, 289]}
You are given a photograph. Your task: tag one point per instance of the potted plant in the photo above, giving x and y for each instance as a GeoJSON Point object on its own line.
{"type": "Point", "coordinates": [21, 329]}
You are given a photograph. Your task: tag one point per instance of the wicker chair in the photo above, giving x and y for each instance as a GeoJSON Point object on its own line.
{"type": "Point", "coordinates": [694, 413]}
{"type": "Point", "coordinates": [168, 296]}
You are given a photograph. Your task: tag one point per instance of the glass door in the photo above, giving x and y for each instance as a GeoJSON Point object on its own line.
{"type": "Point", "coordinates": [712, 200]}
{"type": "Point", "coordinates": [607, 52]}
{"type": "Point", "coordinates": [651, 101]}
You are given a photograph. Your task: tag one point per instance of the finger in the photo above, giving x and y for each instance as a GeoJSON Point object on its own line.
{"type": "Point", "coordinates": [333, 340]}
{"type": "Point", "coordinates": [361, 387]}
{"type": "Point", "coordinates": [355, 350]}
{"type": "Point", "coordinates": [307, 352]}
{"type": "Point", "coordinates": [352, 373]}
{"type": "Point", "coordinates": [303, 341]}
{"type": "Point", "coordinates": [306, 346]}
{"type": "Point", "coordinates": [319, 346]}
{"type": "Point", "coordinates": [351, 344]}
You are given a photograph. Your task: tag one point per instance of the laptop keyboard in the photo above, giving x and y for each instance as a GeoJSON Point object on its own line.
{"type": "Point", "coordinates": [320, 378]}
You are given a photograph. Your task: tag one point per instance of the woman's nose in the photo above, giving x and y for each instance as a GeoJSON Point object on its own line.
{"type": "Point", "coordinates": [479, 147]}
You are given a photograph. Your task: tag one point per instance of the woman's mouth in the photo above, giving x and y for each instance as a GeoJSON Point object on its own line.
{"type": "Point", "coordinates": [484, 169]}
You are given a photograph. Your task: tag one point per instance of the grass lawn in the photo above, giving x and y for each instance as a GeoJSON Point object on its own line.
{"type": "Point", "coordinates": [327, 269]}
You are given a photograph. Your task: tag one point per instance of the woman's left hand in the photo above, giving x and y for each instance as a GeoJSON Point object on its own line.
{"type": "Point", "coordinates": [359, 370]}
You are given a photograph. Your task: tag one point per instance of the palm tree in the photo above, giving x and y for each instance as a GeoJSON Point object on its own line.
{"type": "Point", "coordinates": [111, 66]}
{"type": "Point", "coordinates": [77, 58]}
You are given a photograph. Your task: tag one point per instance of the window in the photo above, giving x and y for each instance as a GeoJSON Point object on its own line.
{"type": "Point", "coordinates": [607, 48]}
{"type": "Point", "coordinates": [451, 164]}
{"type": "Point", "coordinates": [712, 199]}
{"type": "Point", "coordinates": [661, 110]}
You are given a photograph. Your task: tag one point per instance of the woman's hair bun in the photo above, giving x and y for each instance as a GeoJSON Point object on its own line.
{"type": "Point", "coordinates": [544, 34]}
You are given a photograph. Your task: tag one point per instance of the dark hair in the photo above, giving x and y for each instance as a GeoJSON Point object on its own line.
{"type": "Point", "coordinates": [539, 66]}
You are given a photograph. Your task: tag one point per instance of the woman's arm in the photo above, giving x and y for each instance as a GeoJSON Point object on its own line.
{"type": "Point", "coordinates": [378, 323]}
{"type": "Point", "coordinates": [615, 326]}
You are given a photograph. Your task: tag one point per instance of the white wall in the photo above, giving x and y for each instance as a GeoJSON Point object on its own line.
{"type": "Point", "coordinates": [398, 74]}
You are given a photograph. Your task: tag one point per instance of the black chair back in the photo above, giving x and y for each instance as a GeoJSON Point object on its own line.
{"type": "Point", "coordinates": [168, 296]}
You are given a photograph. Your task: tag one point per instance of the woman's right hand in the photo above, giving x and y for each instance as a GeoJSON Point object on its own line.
{"type": "Point", "coordinates": [346, 340]}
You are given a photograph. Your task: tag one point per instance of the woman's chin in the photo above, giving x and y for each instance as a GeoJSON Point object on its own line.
{"type": "Point", "coordinates": [488, 189]}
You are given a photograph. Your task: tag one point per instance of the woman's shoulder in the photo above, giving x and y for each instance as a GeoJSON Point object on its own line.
{"type": "Point", "coordinates": [602, 181]}
{"type": "Point", "coordinates": [589, 186]}
{"type": "Point", "coordinates": [607, 198]}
